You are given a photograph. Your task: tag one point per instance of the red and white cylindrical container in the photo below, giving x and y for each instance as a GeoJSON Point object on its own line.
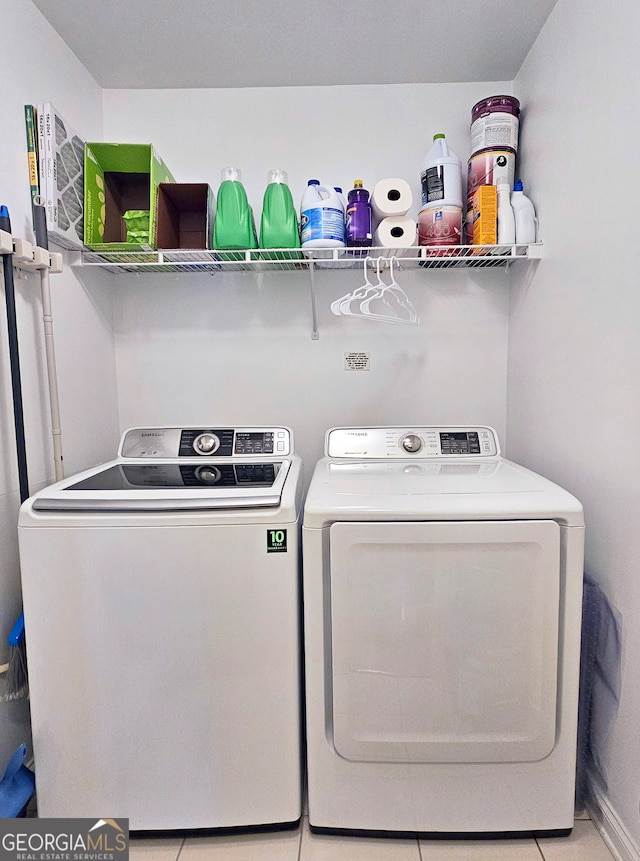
{"type": "Point", "coordinates": [489, 168]}
{"type": "Point", "coordinates": [440, 225]}
{"type": "Point", "coordinates": [495, 124]}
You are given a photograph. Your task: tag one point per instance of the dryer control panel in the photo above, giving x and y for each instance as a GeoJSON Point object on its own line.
{"type": "Point", "coordinates": [201, 442]}
{"type": "Point", "coordinates": [380, 443]}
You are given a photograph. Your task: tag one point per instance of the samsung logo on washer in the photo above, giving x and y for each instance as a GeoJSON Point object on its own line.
{"type": "Point", "coordinates": [156, 433]}
{"type": "Point", "coordinates": [360, 433]}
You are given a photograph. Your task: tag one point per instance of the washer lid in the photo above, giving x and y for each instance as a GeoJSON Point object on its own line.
{"type": "Point", "coordinates": [168, 486]}
{"type": "Point", "coordinates": [434, 489]}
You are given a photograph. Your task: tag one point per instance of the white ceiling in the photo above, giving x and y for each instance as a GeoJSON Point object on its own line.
{"type": "Point", "coordinates": [271, 43]}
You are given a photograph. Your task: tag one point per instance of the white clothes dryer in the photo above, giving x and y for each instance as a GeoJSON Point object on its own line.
{"type": "Point", "coordinates": [442, 604]}
{"type": "Point", "coordinates": [161, 601]}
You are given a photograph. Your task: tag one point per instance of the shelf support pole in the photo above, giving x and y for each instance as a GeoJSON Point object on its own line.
{"type": "Point", "coordinates": [315, 334]}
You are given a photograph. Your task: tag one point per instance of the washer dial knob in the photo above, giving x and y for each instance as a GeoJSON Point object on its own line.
{"type": "Point", "coordinates": [206, 443]}
{"type": "Point", "coordinates": [411, 443]}
{"type": "Point", "coordinates": [208, 474]}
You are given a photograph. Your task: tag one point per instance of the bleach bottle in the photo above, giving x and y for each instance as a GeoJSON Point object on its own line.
{"type": "Point", "coordinates": [233, 227]}
{"type": "Point", "coordinates": [321, 217]}
{"type": "Point", "coordinates": [524, 214]}
{"type": "Point", "coordinates": [441, 176]}
{"type": "Point", "coordinates": [343, 199]}
{"type": "Point", "coordinates": [440, 219]}
{"type": "Point", "coordinates": [279, 223]}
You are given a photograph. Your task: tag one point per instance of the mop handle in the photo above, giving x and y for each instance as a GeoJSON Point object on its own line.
{"type": "Point", "coordinates": [14, 360]}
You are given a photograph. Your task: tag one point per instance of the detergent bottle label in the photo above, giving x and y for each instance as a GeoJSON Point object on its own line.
{"type": "Point", "coordinates": [321, 222]}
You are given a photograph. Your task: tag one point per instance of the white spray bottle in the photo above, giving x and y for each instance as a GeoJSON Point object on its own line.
{"type": "Point", "coordinates": [524, 214]}
{"type": "Point", "coordinates": [506, 218]}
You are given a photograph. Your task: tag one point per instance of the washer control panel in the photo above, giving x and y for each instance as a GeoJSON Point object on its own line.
{"type": "Point", "coordinates": [380, 443]}
{"type": "Point", "coordinates": [211, 442]}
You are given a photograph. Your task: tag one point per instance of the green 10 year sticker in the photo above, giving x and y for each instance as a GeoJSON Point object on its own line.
{"type": "Point", "coordinates": [276, 540]}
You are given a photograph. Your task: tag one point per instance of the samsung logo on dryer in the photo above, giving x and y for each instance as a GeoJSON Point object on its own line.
{"type": "Point", "coordinates": [357, 433]}
{"type": "Point", "coordinates": [157, 433]}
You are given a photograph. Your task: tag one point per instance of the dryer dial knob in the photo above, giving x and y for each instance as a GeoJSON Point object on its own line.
{"type": "Point", "coordinates": [206, 443]}
{"type": "Point", "coordinates": [208, 474]}
{"type": "Point", "coordinates": [411, 443]}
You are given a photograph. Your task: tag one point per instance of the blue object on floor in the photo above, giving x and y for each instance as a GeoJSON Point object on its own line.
{"type": "Point", "coordinates": [17, 785]}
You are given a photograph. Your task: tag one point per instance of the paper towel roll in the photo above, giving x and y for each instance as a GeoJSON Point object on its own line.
{"type": "Point", "coordinates": [398, 231]}
{"type": "Point", "coordinates": [391, 197]}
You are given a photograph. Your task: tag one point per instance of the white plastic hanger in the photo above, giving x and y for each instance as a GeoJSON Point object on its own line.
{"type": "Point", "coordinates": [392, 305]}
{"type": "Point", "coordinates": [398, 307]}
{"type": "Point", "coordinates": [359, 292]}
{"type": "Point", "coordinates": [353, 306]}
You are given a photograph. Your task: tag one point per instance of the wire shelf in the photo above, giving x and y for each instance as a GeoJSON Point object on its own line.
{"type": "Point", "coordinates": [258, 260]}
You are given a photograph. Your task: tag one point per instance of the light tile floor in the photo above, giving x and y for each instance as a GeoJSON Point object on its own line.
{"type": "Point", "coordinates": [584, 844]}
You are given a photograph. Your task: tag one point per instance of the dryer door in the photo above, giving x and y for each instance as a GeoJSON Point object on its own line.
{"type": "Point", "coordinates": [444, 640]}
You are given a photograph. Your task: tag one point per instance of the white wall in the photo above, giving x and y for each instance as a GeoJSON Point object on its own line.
{"type": "Point", "coordinates": [38, 66]}
{"type": "Point", "coordinates": [236, 348]}
{"type": "Point", "coordinates": [574, 348]}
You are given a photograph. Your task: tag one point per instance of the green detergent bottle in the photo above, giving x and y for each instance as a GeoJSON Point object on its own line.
{"type": "Point", "coordinates": [279, 224]}
{"type": "Point", "coordinates": [233, 227]}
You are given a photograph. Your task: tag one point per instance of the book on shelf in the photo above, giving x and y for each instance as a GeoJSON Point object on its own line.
{"type": "Point", "coordinates": [32, 152]}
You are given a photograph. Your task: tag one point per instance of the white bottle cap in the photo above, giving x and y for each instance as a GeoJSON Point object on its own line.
{"type": "Point", "coordinates": [277, 175]}
{"type": "Point", "coordinates": [232, 173]}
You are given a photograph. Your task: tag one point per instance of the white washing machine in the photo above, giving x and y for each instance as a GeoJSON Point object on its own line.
{"type": "Point", "coordinates": [442, 605]}
{"type": "Point", "coordinates": [161, 600]}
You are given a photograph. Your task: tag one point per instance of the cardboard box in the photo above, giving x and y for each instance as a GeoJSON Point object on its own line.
{"type": "Point", "coordinates": [184, 215]}
{"type": "Point", "coordinates": [119, 177]}
{"type": "Point", "coordinates": [485, 215]}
